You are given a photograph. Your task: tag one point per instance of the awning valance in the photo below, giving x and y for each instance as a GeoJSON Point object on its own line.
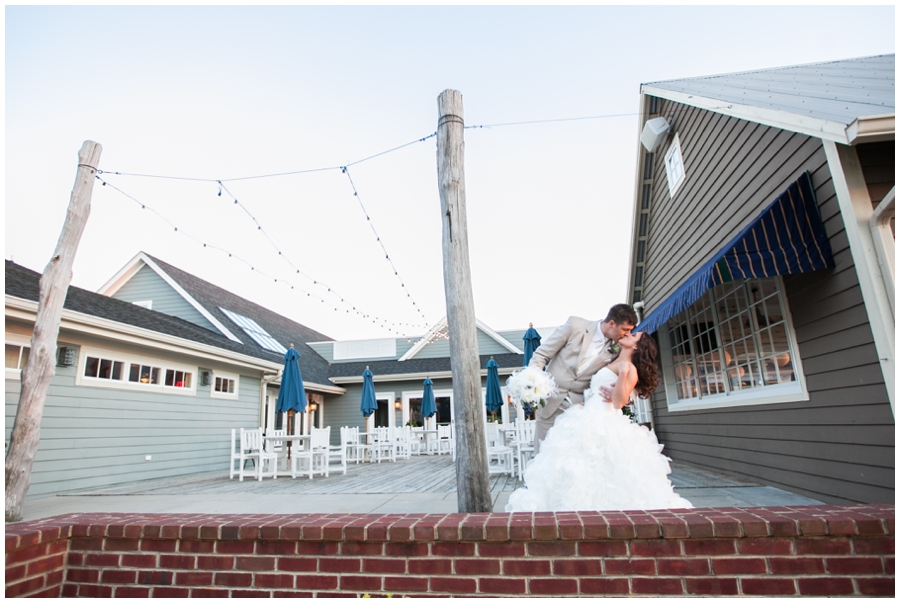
{"type": "Point", "coordinates": [786, 238]}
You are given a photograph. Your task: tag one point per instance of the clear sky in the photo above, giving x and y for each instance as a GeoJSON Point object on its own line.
{"type": "Point", "coordinates": [217, 93]}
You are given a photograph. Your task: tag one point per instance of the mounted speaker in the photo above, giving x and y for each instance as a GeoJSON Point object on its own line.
{"type": "Point", "coordinates": [654, 133]}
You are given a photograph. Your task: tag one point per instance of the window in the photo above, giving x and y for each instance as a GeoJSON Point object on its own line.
{"type": "Point", "coordinates": [734, 344]}
{"type": "Point", "coordinates": [16, 359]}
{"type": "Point", "coordinates": [113, 370]}
{"type": "Point", "coordinates": [674, 167]}
{"type": "Point", "coordinates": [224, 385]}
{"type": "Point", "coordinates": [255, 331]}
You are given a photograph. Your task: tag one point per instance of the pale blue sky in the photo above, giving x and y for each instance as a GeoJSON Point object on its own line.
{"type": "Point", "coordinates": [225, 92]}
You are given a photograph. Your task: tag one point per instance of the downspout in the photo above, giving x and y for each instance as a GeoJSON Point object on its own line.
{"type": "Point", "coordinates": [267, 378]}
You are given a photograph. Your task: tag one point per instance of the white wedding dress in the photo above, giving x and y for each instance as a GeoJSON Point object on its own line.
{"type": "Point", "coordinates": [594, 459]}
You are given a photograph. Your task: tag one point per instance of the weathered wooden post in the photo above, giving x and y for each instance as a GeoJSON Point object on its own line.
{"type": "Point", "coordinates": [473, 489]}
{"type": "Point", "coordinates": [36, 376]}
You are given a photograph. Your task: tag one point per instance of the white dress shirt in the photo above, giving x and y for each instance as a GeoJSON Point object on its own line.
{"type": "Point", "coordinates": [598, 344]}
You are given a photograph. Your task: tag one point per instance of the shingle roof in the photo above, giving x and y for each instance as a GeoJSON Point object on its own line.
{"type": "Point", "coordinates": [837, 91]}
{"type": "Point", "coordinates": [24, 284]}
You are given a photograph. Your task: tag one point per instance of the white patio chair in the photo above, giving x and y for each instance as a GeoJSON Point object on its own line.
{"type": "Point", "coordinates": [352, 446]}
{"type": "Point", "coordinates": [416, 440]}
{"type": "Point", "coordinates": [278, 447]}
{"type": "Point", "coordinates": [315, 454]}
{"type": "Point", "coordinates": [402, 442]}
{"type": "Point", "coordinates": [337, 453]}
{"type": "Point", "coordinates": [252, 449]}
{"type": "Point", "coordinates": [382, 445]}
{"type": "Point", "coordinates": [445, 444]}
{"type": "Point", "coordinates": [524, 444]}
{"type": "Point", "coordinates": [235, 454]}
{"type": "Point", "coordinates": [500, 456]}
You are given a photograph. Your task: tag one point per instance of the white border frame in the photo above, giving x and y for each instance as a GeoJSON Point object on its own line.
{"type": "Point", "coordinates": [222, 375]}
{"type": "Point", "coordinates": [674, 148]}
{"type": "Point", "coordinates": [21, 341]}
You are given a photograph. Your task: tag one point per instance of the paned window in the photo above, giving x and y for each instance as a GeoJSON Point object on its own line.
{"type": "Point", "coordinates": [735, 339]}
{"type": "Point", "coordinates": [674, 167]}
{"type": "Point", "coordinates": [17, 356]}
{"type": "Point", "coordinates": [224, 385]}
{"type": "Point", "coordinates": [103, 368]}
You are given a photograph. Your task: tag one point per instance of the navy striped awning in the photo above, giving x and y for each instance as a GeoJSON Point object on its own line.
{"type": "Point", "coordinates": [786, 238]}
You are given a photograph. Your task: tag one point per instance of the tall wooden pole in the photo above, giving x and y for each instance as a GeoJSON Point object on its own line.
{"type": "Point", "coordinates": [36, 376]}
{"type": "Point", "coordinates": [473, 489]}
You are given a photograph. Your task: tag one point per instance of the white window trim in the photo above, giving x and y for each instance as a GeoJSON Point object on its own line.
{"type": "Point", "coordinates": [389, 396]}
{"type": "Point", "coordinates": [82, 381]}
{"type": "Point", "coordinates": [438, 393]}
{"type": "Point", "coordinates": [675, 148]}
{"type": "Point", "coordinates": [21, 341]}
{"type": "Point", "coordinates": [226, 396]}
{"type": "Point", "coordinates": [794, 391]}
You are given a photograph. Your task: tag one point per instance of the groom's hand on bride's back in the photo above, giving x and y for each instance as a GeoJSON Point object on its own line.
{"type": "Point", "coordinates": [605, 393]}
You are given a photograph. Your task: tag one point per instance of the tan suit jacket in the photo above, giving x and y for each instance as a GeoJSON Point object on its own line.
{"type": "Point", "coordinates": [564, 350]}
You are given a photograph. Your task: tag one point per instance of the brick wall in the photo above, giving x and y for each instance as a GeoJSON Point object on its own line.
{"type": "Point", "coordinates": [821, 550]}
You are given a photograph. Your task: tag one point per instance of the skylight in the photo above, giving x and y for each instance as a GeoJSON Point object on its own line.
{"type": "Point", "coordinates": [255, 331]}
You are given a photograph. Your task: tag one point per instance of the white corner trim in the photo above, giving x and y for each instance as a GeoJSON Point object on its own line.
{"type": "Point", "coordinates": [792, 122]}
{"type": "Point", "coordinates": [856, 211]}
{"type": "Point", "coordinates": [123, 275]}
{"type": "Point", "coordinates": [426, 339]}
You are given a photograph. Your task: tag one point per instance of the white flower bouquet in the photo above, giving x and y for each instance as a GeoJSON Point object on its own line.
{"type": "Point", "coordinates": [531, 386]}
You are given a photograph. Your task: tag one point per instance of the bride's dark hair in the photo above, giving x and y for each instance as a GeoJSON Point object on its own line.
{"type": "Point", "coordinates": [644, 359]}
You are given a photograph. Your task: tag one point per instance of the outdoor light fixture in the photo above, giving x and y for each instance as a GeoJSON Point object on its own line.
{"type": "Point", "coordinates": [65, 356]}
{"type": "Point", "coordinates": [313, 406]}
{"type": "Point", "coordinates": [398, 404]}
{"type": "Point", "coordinates": [654, 132]}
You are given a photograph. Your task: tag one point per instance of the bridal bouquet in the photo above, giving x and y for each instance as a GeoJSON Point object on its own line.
{"type": "Point", "coordinates": [531, 386]}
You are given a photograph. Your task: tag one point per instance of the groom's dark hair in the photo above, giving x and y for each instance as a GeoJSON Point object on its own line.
{"type": "Point", "coordinates": [622, 313]}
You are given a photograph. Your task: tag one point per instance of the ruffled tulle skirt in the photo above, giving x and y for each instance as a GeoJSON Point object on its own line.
{"type": "Point", "coordinates": [595, 458]}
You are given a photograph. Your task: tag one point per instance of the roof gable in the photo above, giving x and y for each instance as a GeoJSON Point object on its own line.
{"type": "Point", "coordinates": [440, 327]}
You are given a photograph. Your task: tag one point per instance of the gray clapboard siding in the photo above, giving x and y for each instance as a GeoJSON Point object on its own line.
{"type": "Point", "coordinates": [146, 285]}
{"type": "Point", "coordinates": [839, 445]}
{"type": "Point", "coordinates": [440, 348]}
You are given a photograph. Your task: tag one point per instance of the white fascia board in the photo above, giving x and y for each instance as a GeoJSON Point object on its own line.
{"type": "Point", "coordinates": [419, 376]}
{"type": "Point", "coordinates": [811, 126]}
{"type": "Point", "coordinates": [318, 387]}
{"type": "Point", "coordinates": [497, 337]}
{"type": "Point", "coordinates": [871, 129]}
{"type": "Point", "coordinates": [122, 276]}
{"type": "Point", "coordinates": [643, 111]}
{"type": "Point", "coordinates": [117, 331]}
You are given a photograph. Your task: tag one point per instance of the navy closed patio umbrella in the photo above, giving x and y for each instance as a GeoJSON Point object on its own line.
{"type": "Point", "coordinates": [291, 395]}
{"type": "Point", "coordinates": [494, 397]}
{"type": "Point", "coordinates": [369, 404]}
{"type": "Point", "coordinates": [532, 342]}
{"type": "Point", "coordinates": [429, 408]}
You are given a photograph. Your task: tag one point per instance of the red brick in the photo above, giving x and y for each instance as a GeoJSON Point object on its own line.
{"type": "Point", "coordinates": [713, 548]}
{"type": "Point", "coordinates": [497, 528]}
{"type": "Point", "coordinates": [797, 565]}
{"type": "Point", "coordinates": [813, 527]}
{"type": "Point", "coordinates": [499, 549]}
{"type": "Point", "coordinates": [604, 586]}
{"type": "Point", "coordinates": [727, 527]}
{"type": "Point", "coordinates": [683, 567]}
{"type": "Point", "coordinates": [825, 586]}
{"type": "Point", "coordinates": [259, 594]}
{"type": "Point", "coordinates": [472, 528]}
{"type": "Point", "coordinates": [526, 567]}
{"type": "Point", "coordinates": [56, 577]}
{"type": "Point", "coordinates": [551, 549]}
{"type": "Point", "coordinates": [405, 584]}
{"type": "Point", "coordinates": [406, 549]}
{"type": "Point", "coordinates": [160, 546]}
{"type": "Point", "coordinates": [73, 559]}
{"type": "Point", "coordinates": [255, 564]}
{"type": "Point", "coordinates": [47, 564]}
{"type": "Point", "coordinates": [876, 587]}
{"type": "Point", "coordinates": [297, 564]}
{"type": "Point", "coordinates": [27, 554]}
{"type": "Point", "coordinates": [70, 591]}
{"type": "Point", "coordinates": [646, 567]}
{"type": "Point", "coordinates": [384, 566]}
{"type": "Point", "coordinates": [841, 527]}
{"type": "Point", "coordinates": [121, 544]}
{"type": "Point", "coordinates": [15, 573]}
{"type": "Point", "coordinates": [620, 527]}
{"type": "Point", "coordinates": [603, 549]}
{"type": "Point", "coordinates": [361, 583]}
{"type": "Point", "coordinates": [739, 565]}
{"type": "Point", "coordinates": [273, 581]}
{"type": "Point", "coordinates": [317, 548]}
{"type": "Point", "coordinates": [577, 567]}
{"type": "Point", "coordinates": [765, 546]}
{"type": "Point", "coordinates": [276, 548]}
{"type": "Point", "coordinates": [448, 528]}
{"type": "Point", "coordinates": [171, 592]}
{"type": "Point", "coordinates": [117, 576]}
{"type": "Point", "coordinates": [138, 561]}
{"type": "Point", "coordinates": [27, 587]}
{"type": "Point", "coordinates": [215, 562]}
{"type": "Point", "coordinates": [822, 546]}
{"type": "Point", "coordinates": [236, 547]}
{"type": "Point", "coordinates": [207, 593]}
{"type": "Point", "coordinates": [430, 567]}
{"type": "Point", "coordinates": [102, 560]}
{"type": "Point", "coordinates": [657, 586]}
{"type": "Point", "coordinates": [317, 581]}
{"type": "Point", "coordinates": [132, 592]}
{"type": "Point", "coordinates": [499, 586]}
{"type": "Point", "coordinates": [338, 564]}
{"type": "Point", "coordinates": [854, 565]}
{"type": "Point", "coordinates": [873, 546]}
{"type": "Point", "coordinates": [95, 591]}
{"type": "Point", "coordinates": [453, 585]}
{"type": "Point", "coordinates": [553, 586]}
{"type": "Point", "coordinates": [155, 578]}
{"type": "Point", "coordinates": [476, 566]}
{"type": "Point", "coordinates": [768, 586]}
{"type": "Point", "coordinates": [177, 561]}
{"type": "Point", "coordinates": [711, 586]}
{"type": "Point", "coordinates": [363, 549]}
{"type": "Point", "coordinates": [293, 594]}
{"type": "Point", "coordinates": [699, 527]}
{"type": "Point", "coordinates": [453, 549]}
{"type": "Point", "coordinates": [197, 546]}
{"type": "Point", "coordinates": [656, 548]}
{"type": "Point", "coordinates": [235, 579]}
{"type": "Point", "coordinates": [194, 578]}
{"type": "Point", "coordinates": [672, 527]}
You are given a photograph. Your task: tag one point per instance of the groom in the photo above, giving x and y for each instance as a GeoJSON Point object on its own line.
{"type": "Point", "coordinates": [576, 351]}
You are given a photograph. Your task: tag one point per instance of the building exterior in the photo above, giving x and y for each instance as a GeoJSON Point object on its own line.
{"type": "Point", "coordinates": [762, 259]}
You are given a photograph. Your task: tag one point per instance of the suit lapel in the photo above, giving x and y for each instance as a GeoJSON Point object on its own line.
{"type": "Point", "coordinates": [586, 342]}
{"type": "Point", "coordinates": [606, 357]}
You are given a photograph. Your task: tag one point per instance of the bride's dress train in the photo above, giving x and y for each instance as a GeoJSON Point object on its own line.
{"type": "Point", "coordinates": [595, 458]}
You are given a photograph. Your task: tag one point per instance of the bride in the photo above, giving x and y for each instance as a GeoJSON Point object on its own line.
{"type": "Point", "coordinates": [594, 457]}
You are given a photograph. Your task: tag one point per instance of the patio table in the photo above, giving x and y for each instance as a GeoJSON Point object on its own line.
{"type": "Point", "coordinates": [288, 440]}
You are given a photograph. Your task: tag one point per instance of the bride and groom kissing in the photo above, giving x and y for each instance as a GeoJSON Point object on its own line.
{"type": "Point", "coordinates": [588, 455]}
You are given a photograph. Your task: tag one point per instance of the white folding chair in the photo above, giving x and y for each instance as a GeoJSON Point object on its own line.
{"type": "Point", "coordinates": [315, 453]}
{"type": "Point", "coordinates": [524, 444]}
{"type": "Point", "coordinates": [500, 456]}
{"type": "Point", "coordinates": [252, 449]}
